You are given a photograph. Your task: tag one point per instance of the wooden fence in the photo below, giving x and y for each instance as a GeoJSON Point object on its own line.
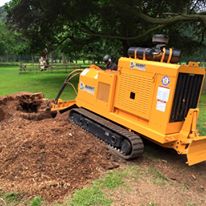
{"type": "Point", "coordinates": [35, 67]}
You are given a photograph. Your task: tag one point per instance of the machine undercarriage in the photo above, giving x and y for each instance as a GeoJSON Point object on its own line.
{"type": "Point", "coordinates": [122, 142]}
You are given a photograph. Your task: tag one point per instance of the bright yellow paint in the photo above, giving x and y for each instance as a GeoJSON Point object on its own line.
{"type": "Point", "coordinates": [111, 95]}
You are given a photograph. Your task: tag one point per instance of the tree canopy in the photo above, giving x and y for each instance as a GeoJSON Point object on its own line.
{"type": "Point", "coordinates": [102, 26]}
{"type": "Point", "coordinates": [11, 42]}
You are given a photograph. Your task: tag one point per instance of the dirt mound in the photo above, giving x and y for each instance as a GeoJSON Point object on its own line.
{"type": "Point", "coordinates": [49, 158]}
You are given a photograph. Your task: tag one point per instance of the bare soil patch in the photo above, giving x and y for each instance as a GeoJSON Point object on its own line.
{"type": "Point", "coordinates": [44, 156]}
{"type": "Point", "coordinates": [162, 178]}
{"type": "Point", "coordinates": [160, 182]}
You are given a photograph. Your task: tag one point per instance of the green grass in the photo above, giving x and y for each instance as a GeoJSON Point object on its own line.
{"type": "Point", "coordinates": [14, 199]}
{"type": "Point", "coordinates": [111, 180]}
{"type": "Point", "coordinates": [202, 117]}
{"type": "Point", "coordinates": [94, 195]}
{"type": "Point", "coordinates": [91, 196]}
{"type": "Point", "coordinates": [47, 82]}
{"type": "Point", "coordinates": [202, 121]}
{"type": "Point", "coordinates": [10, 198]}
{"type": "Point", "coordinates": [36, 201]}
{"type": "Point", "coordinates": [203, 99]}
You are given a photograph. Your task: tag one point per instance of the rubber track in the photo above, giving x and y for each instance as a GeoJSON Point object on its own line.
{"type": "Point", "coordinates": [135, 140]}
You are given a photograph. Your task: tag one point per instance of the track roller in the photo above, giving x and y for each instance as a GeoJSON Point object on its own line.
{"type": "Point", "coordinates": [126, 144]}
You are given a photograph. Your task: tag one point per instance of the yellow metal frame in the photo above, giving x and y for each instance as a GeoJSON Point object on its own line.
{"type": "Point", "coordinates": [62, 105]}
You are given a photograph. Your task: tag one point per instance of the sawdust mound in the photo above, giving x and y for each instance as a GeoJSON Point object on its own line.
{"type": "Point", "coordinates": [48, 157]}
{"type": "Point", "coordinates": [2, 115]}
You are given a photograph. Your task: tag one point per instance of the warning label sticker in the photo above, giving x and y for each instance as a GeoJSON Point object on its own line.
{"type": "Point", "coordinates": [163, 94]}
{"type": "Point", "coordinates": [161, 106]}
{"type": "Point", "coordinates": [162, 98]}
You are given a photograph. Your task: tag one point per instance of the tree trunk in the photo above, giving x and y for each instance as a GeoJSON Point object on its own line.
{"type": "Point", "coordinates": [125, 47]}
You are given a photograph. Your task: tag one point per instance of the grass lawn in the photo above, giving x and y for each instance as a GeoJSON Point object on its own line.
{"type": "Point", "coordinates": [202, 117]}
{"type": "Point", "coordinates": [47, 82]}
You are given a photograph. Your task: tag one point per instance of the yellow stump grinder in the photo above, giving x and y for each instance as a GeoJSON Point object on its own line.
{"type": "Point", "coordinates": [149, 96]}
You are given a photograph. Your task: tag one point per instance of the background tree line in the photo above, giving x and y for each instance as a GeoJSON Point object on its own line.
{"type": "Point", "coordinates": [11, 41]}
{"type": "Point", "coordinates": [91, 28]}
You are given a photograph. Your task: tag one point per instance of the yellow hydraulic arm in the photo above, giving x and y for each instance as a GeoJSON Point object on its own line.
{"type": "Point", "coordinates": [59, 104]}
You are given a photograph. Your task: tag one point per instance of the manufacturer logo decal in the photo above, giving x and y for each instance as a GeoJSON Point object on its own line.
{"type": "Point", "coordinates": [165, 80]}
{"type": "Point", "coordinates": [87, 88]}
{"type": "Point", "coordinates": [137, 66]}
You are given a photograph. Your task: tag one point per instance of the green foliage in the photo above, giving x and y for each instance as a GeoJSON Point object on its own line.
{"type": "Point", "coordinates": [11, 42]}
{"type": "Point", "coordinates": [2, 14]}
{"type": "Point", "coordinates": [92, 27]}
{"type": "Point", "coordinates": [36, 201]}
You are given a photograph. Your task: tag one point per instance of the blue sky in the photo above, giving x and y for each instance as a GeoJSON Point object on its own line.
{"type": "Point", "coordinates": [2, 2]}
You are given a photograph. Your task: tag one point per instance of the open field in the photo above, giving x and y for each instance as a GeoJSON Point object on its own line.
{"type": "Point", "coordinates": [54, 163]}
{"type": "Point", "coordinates": [47, 82]}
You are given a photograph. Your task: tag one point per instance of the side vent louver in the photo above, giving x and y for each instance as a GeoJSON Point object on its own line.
{"type": "Point", "coordinates": [186, 95]}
